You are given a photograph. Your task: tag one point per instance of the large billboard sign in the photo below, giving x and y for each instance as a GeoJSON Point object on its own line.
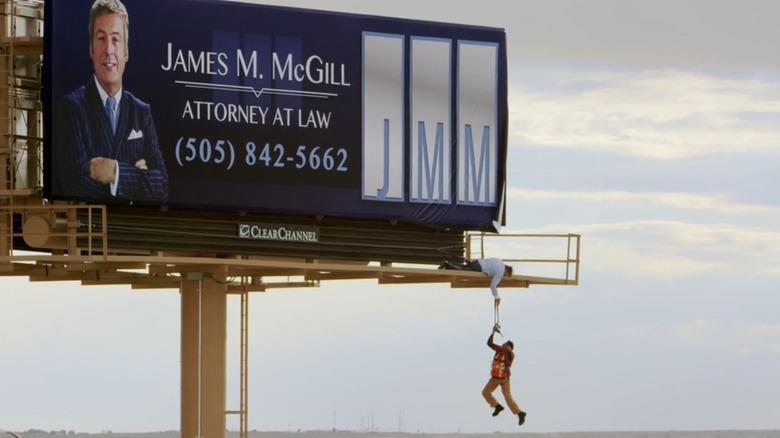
{"type": "Point", "coordinates": [223, 105]}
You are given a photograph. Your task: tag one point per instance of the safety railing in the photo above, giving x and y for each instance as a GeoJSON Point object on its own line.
{"type": "Point", "coordinates": [555, 256]}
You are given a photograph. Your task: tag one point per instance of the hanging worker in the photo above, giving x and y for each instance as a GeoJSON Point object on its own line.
{"type": "Point", "coordinates": [500, 373]}
{"type": "Point", "coordinates": [493, 267]}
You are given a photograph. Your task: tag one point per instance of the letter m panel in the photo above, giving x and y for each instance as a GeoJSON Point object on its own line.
{"type": "Point", "coordinates": [431, 112]}
{"type": "Point", "coordinates": [477, 96]}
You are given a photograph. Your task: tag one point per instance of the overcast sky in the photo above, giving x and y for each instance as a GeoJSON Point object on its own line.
{"type": "Point", "coordinates": [651, 128]}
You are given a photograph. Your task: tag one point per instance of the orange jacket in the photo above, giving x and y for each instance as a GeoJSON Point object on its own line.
{"type": "Point", "coordinates": [502, 360]}
{"type": "Point", "coordinates": [499, 368]}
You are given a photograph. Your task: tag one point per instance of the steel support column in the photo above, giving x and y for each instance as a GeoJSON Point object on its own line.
{"type": "Point", "coordinates": [203, 356]}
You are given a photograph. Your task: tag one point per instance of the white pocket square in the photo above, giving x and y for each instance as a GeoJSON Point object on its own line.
{"type": "Point", "coordinates": [135, 134]}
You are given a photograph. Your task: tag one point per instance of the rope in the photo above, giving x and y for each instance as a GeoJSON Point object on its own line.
{"type": "Point", "coordinates": [496, 317]}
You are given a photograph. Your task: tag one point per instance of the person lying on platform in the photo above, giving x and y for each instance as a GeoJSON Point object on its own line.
{"type": "Point", "coordinates": [493, 267]}
{"type": "Point", "coordinates": [499, 376]}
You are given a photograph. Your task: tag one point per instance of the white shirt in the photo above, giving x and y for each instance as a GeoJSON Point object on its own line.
{"type": "Point", "coordinates": [494, 268]}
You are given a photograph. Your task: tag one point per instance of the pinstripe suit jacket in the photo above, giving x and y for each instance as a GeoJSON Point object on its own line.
{"type": "Point", "coordinates": [83, 132]}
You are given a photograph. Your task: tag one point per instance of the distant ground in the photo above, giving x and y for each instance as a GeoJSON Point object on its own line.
{"type": "Point", "coordinates": [358, 434]}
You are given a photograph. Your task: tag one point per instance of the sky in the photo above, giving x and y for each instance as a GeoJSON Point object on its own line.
{"type": "Point", "coordinates": [651, 128]}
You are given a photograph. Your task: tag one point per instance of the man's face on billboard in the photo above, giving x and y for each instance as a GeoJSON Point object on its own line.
{"type": "Point", "coordinates": [109, 51]}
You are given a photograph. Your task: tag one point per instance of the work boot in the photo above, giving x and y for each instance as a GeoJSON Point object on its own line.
{"type": "Point", "coordinates": [520, 418]}
{"type": "Point", "coordinates": [497, 409]}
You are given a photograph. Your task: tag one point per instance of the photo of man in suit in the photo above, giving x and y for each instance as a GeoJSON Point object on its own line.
{"type": "Point", "coordinates": [106, 144]}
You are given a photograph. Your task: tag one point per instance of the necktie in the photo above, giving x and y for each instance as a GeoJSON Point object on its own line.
{"type": "Point", "coordinates": [111, 109]}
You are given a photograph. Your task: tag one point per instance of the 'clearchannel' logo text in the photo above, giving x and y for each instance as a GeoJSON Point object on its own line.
{"type": "Point", "coordinates": [278, 232]}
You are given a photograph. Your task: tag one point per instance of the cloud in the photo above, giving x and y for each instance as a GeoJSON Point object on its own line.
{"type": "Point", "coordinates": [671, 250]}
{"type": "Point", "coordinates": [664, 247]}
{"type": "Point", "coordinates": [736, 336]}
{"type": "Point", "coordinates": [650, 236]}
{"type": "Point", "coordinates": [690, 201]}
{"type": "Point", "coordinates": [645, 260]}
{"type": "Point", "coordinates": [731, 336]}
{"type": "Point", "coordinates": [658, 114]}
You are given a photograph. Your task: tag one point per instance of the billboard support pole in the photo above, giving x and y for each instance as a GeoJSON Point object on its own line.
{"type": "Point", "coordinates": [203, 355]}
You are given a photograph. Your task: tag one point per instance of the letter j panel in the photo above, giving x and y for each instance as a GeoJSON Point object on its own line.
{"type": "Point", "coordinates": [383, 117]}
{"type": "Point", "coordinates": [478, 131]}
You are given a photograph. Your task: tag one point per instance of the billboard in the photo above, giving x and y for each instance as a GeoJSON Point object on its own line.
{"type": "Point", "coordinates": [221, 105]}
